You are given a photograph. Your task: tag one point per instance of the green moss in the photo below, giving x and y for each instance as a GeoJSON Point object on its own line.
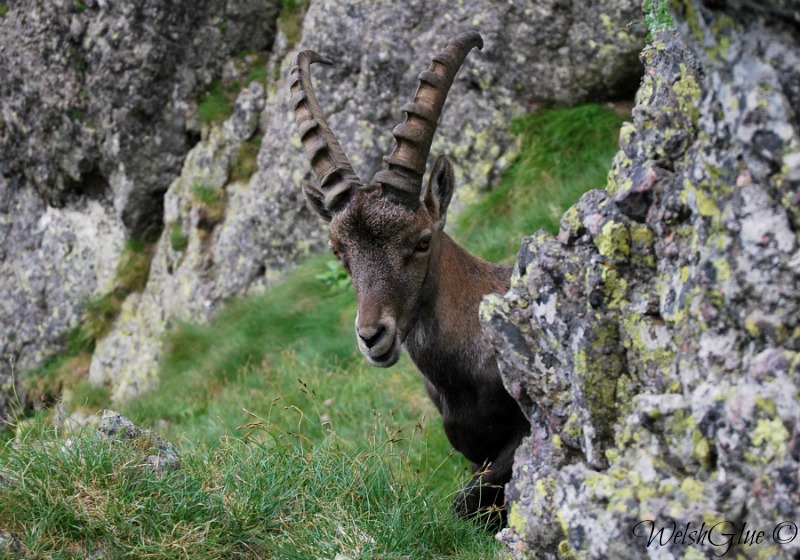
{"type": "Point", "coordinates": [642, 244]}
{"type": "Point", "coordinates": [3, 10]}
{"type": "Point", "coordinates": [692, 489]}
{"type": "Point", "coordinates": [216, 105]}
{"type": "Point", "coordinates": [210, 198]}
{"type": "Point", "coordinates": [516, 520]}
{"type": "Point", "coordinates": [566, 551]}
{"type": "Point", "coordinates": [702, 448]}
{"type": "Point", "coordinates": [645, 346]}
{"type": "Point", "coordinates": [218, 101]}
{"type": "Point", "coordinates": [615, 287]}
{"type": "Point", "coordinates": [688, 94]}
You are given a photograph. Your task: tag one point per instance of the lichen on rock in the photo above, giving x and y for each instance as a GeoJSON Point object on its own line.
{"type": "Point", "coordinates": [656, 353]}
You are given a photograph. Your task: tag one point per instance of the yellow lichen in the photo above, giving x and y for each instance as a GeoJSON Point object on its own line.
{"type": "Point", "coordinates": [614, 240]}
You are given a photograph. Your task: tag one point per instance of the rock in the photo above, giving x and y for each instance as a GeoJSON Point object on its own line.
{"type": "Point", "coordinates": [260, 225]}
{"type": "Point", "coordinates": [102, 142]}
{"type": "Point", "coordinates": [97, 106]}
{"type": "Point", "coordinates": [160, 455]}
{"type": "Point", "coordinates": [654, 343]}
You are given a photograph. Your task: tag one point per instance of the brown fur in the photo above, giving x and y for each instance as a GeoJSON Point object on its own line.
{"type": "Point", "coordinates": [414, 285]}
{"type": "Point", "coordinates": [428, 302]}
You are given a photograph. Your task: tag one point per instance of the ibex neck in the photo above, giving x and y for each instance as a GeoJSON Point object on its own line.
{"type": "Point", "coordinates": [447, 333]}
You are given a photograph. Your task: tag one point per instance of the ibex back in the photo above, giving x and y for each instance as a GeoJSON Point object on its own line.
{"type": "Point", "coordinates": [414, 285]}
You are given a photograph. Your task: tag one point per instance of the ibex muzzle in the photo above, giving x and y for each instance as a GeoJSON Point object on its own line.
{"type": "Point", "coordinates": [414, 285]}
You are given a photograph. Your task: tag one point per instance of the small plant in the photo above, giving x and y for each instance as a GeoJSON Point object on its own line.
{"type": "Point", "coordinates": [335, 276]}
{"type": "Point", "coordinates": [215, 106]}
{"type": "Point", "coordinates": [177, 239]}
{"type": "Point", "coordinates": [247, 162]}
{"type": "Point", "coordinates": [217, 103]}
{"type": "Point", "coordinates": [212, 202]}
{"type": "Point", "coordinates": [291, 19]}
{"type": "Point", "coordinates": [80, 5]}
{"type": "Point", "coordinates": [3, 10]}
{"type": "Point", "coordinates": [657, 16]}
{"type": "Point", "coordinates": [76, 114]}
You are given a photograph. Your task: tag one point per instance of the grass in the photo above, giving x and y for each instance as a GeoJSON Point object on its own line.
{"type": "Point", "coordinates": [177, 239]}
{"type": "Point", "coordinates": [70, 369]}
{"type": "Point", "coordinates": [291, 19]}
{"type": "Point", "coordinates": [290, 445]}
{"type": "Point", "coordinates": [271, 496]}
{"type": "Point", "coordinates": [563, 153]}
{"type": "Point", "coordinates": [247, 161]}
{"type": "Point", "coordinates": [218, 101]}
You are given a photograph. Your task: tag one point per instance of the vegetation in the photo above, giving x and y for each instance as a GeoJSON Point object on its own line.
{"type": "Point", "coordinates": [211, 200]}
{"type": "Point", "coordinates": [291, 18]}
{"type": "Point", "coordinates": [657, 16]}
{"type": "Point", "coordinates": [69, 370]}
{"type": "Point", "coordinates": [177, 239]}
{"type": "Point", "coordinates": [247, 162]}
{"type": "Point", "coordinates": [217, 103]}
{"type": "Point", "coordinates": [563, 153]}
{"type": "Point", "coordinates": [290, 445]}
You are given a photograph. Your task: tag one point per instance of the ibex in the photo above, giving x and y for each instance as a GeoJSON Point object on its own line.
{"type": "Point", "coordinates": [414, 285]}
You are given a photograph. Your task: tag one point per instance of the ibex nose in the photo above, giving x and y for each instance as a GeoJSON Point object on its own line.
{"type": "Point", "coordinates": [377, 339]}
{"type": "Point", "coordinates": [371, 335]}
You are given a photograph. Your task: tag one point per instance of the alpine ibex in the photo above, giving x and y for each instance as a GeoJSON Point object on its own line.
{"type": "Point", "coordinates": [414, 285]}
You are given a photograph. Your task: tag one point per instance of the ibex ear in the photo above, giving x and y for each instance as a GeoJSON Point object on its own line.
{"type": "Point", "coordinates": [316, 200]}
{"type": "Point", "coordinates": [440, 188]}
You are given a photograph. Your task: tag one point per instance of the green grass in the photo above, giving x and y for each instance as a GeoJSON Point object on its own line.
{"type": "Point", "coordinates": [272, 496]}
{"type": "Point", "coordinates": [218, 101]}
{"type": "Point", "coordinates": [563, 153]}
{"type": "Point", "coordinates": [291, 446]}
{"type": "Point", "coordinates": [291, 19]}
{"type": "Point", "coordinates": [177, 239]}
{"type": "Point", "coordinates": [65, 371]}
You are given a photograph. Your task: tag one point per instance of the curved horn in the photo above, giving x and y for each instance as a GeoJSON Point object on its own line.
{"type": "Point", "coordinates": [405, 166]}
{"type": "Point", "coordinates": [329, 162]}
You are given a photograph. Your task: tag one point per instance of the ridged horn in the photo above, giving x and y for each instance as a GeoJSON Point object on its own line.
{"type": "Point", "coordinates": [330, 164]}
{"type": "Point", "coordinates": [405, 165]}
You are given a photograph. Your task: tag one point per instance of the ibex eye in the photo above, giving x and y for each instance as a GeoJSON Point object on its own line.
{"type": "Point", "coordinates": [423, 245]}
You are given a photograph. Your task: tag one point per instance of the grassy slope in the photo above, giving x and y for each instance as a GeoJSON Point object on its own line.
{"type": "Point", "coordinates": [292, 447]}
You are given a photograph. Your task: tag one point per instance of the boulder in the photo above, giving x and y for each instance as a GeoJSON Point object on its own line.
{"type": "Point", "coordinates": [654, 342]}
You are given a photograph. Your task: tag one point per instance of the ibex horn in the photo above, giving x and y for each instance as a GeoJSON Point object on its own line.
{"type": "Point", "coordinates": [329, 162]}
{"type": "Point", "coordinates": [405, 166]}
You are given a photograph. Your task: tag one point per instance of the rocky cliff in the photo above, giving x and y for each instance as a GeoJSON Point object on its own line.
{"type": "Point", "coordinates": [103, 142]}
{"type": "Point", "coordinates": [98, 108]}
{"type": "Point", "coordinates": [654, 342]}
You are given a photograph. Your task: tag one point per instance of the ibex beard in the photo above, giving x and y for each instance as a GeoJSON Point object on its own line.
{"type": "Point", "coordinates": [415, 286]}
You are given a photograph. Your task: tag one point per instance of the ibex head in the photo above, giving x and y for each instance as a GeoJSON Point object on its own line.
{"type": "Point", "coordinates": [387, 233]}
